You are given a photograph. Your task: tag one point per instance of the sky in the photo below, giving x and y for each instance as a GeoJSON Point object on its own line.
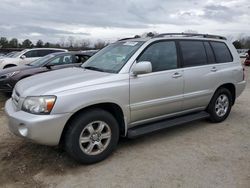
{"type": "Point", "coordinates": [108, 20]}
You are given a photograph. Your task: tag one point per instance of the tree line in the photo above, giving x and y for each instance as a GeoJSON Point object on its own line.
{"type": "Point", "coordinates": [84, 44]}
{"type": "Point", "coordinates": [69, 43]}
{"type": "Point", "coordinates": [242, 43]}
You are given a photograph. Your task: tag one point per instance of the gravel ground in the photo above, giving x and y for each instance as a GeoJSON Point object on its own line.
{"type": "Point", "coordinates": [198, 154]}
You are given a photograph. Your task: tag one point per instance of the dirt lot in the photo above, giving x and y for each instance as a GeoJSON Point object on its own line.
{"type": "Point", "coordinates": [198, 154]}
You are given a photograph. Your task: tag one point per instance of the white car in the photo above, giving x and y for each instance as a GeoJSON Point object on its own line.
{"type": "Point", "coordinates": [27, 56]}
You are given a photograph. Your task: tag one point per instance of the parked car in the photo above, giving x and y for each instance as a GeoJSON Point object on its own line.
{"type": "Point", "coordinates": [27, 56]}
{"type": "Point", "coordinates": [10, 54]}
{"type": "Point", "coordinates": [9, 77]}
{"type": "Point", "coordinates": [130, 88]}
{"type": "Point", "coordinates": [2, 55]}
{"type": "Point", "coordinates": [247, 62]}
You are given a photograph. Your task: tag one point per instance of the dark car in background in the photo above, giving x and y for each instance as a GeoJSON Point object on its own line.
{"type": "Point", "coordinates": [9, 77]}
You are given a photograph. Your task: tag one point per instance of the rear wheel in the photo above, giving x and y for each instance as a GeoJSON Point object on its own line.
{"type": "Point", "coordinates": [92, 136]}
{"type": "Point", "coordinates": [220, 105]}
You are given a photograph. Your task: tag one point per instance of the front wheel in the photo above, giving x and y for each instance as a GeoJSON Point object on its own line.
{"type": "Point", "coordinates": [220, 105]}
{"type": "Point", "coordinates": [92, 136]}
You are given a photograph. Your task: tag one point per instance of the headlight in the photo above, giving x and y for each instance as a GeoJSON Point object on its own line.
{"type": "Point", "coordinates": [8, 75]}
{"type": "Point", "coordinates": [39, 105]}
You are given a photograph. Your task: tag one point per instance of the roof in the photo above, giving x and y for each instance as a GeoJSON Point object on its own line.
{"type": "Point", "coordinates": [74, 53]}
{"type": "Point", "coordinates": [177, 35]}
{"type": "Point", "coordinates": [29, 49]}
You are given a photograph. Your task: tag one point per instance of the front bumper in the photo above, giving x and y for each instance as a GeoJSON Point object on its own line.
{"type": "Point", "coordinates": [42, 129]}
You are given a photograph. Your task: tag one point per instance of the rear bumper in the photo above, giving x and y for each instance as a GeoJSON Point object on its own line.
{"type": "Point", "coordinates": [42, 129]}
{"type": "Point", "coordinates": [240, 87]}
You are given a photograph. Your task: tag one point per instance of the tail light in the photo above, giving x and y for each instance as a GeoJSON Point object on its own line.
{"type": "Point", "coordinates": [244, 73]}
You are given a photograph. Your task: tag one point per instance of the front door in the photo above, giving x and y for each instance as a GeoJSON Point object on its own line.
{"type": "Point", "coordinates": [159, 93]}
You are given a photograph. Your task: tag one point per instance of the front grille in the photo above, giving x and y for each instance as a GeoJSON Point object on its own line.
{"type": "Point", "coordinates": [5, 86]}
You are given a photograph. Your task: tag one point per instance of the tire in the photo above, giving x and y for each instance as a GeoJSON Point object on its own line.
{"type": "Point", "coordinates": [80, 127]}
{"type": "Point", "coordinates": [215, 107]}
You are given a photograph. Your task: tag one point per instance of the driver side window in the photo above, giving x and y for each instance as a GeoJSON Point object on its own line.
{"type": "Point", "coordinates": [162, 55]}
{"type": "Point", "coordinates": [31, 54]}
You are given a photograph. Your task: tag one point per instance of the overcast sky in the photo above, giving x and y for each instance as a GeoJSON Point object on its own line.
{"type": "Point", "coordinates": [52, 20]}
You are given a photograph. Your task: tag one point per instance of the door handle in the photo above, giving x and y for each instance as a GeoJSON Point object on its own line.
{"type": "Point", "coordinates": [176, 75]}
{"type": "Point", "coordinates": [214, 69]}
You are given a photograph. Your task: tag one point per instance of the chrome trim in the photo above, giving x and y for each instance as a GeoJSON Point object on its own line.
{"type": "Point", "coordinates": [155, 102]}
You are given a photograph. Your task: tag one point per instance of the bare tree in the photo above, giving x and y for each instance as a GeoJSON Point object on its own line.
{"type": "Point", "coordinates": [84, 43]}
{"type": "Point", "coordinates": [149, 34]}
{"type": "Point", "coordinates": [62, 42]}
{"type": "Point", "coordinates": [100, 44]}
{"type": "Point", "coordinates": [71, 40]}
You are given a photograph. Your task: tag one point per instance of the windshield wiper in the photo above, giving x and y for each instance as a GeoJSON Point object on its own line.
{"type": "Point", "coordinates": [94, 68]}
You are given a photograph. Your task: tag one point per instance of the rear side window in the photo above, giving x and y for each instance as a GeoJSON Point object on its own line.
{"type": "Point", "coordinates": [43, 52]}
{"type": "Point", "coordinates": [162, 55]}
{"type": "Point", "coordinates": [210, 54]}
{"type": "Point", "coordinates": [222, 53]}
{"type": "Point", "coordinates": [193, 53]}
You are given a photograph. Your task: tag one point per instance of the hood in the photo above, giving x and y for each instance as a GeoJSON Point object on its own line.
{"type": "Point", "coordinates": [51, 83]}
{"type": "Point", "coordinates": [14, 69]}
{"type": "Point", "coordinates": [8, 59]}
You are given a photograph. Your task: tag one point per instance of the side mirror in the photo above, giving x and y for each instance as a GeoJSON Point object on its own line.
{"type": "Point", "coordinates": [142, 67]}
{"type": "Point", "coordinates": [23, 57]}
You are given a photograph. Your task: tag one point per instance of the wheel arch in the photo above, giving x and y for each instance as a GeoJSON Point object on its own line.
{"type": "Point", "coordinates": [111, 107]}
{"type": "Point", "coordinates": [231, 87]}
{"type": "Point", "coordinates": [9, 65]}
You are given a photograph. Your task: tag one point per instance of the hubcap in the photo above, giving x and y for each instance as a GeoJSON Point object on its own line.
{"type": "Point", "coordinates": [95, 138]}
{"type": "Point", "coordinates": [221, 105]}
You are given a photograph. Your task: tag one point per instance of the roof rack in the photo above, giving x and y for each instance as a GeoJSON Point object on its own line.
{"type": "Point", "coordinates": [191, 35]}
{"type": "Point", "coordinates": [128, 38]}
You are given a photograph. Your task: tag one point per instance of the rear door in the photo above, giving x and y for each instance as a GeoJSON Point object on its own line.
{"type": "Point", "coordinates": [201, 74]}
{"type": "Point", "coordinates": [159, 93]}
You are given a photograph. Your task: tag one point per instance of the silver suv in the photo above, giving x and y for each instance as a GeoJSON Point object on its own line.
{"type": "Point", "coordinates": [130, 88]}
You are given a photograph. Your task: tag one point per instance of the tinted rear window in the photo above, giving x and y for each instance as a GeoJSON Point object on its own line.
{"type": "Point", "coordinates": [193, 53]}
{"type": "Point", "coordinates": [221, 51]}
{"type": "Point", "coordinates": [210, 54]}
{"type": "Point", "coordinates": [43, 52]}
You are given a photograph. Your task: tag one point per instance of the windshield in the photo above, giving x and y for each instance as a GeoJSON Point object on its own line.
{"type": "Point", "coordinates": [113, 57]}
{"type": "Point", "coordinates": [17, 54]}
{"type": "Point", "coordinates": [10, 54]}
{"type": "Point", "coordinates": [41, 61]}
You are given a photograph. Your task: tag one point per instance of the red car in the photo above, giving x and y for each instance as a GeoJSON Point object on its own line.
{"type": "Point", "coordinates": [247, 62]}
